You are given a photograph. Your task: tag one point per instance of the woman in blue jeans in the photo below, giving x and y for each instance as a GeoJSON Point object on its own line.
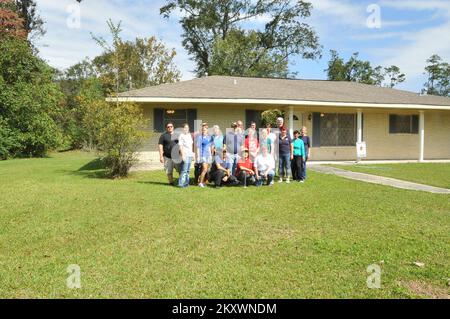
{"type": "Point", "coordinates": [285, 155]}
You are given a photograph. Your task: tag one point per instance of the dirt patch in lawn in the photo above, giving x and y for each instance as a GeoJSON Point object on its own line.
{"type": "Point", "coordinates": [427, 291]}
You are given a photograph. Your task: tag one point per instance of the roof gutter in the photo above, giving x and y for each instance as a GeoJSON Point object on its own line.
{"type": "Point", "coordinates": [276, 102]}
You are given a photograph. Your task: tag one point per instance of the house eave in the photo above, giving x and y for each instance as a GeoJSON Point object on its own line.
{"type": "Point", "coordinates": [275, 102]}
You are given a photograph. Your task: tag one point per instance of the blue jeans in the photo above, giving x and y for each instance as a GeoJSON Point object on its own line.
{"type": "Point", "coordinates": [263, 180]}
{"type": "Point", "coordinates": [234, 158]}
{"type": "Point", "coordinates": [304, 168]}
{"type": "Point", "coordinates": [284, 167]}
{"type": "Point", "coordinates": [183, 181]}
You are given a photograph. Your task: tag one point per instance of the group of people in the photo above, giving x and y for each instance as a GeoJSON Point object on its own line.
{"type": "Point", "coordinates": [238, 157]}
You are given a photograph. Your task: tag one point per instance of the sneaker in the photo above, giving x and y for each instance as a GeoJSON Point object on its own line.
{"type": "Point", "coordinates": [302, 181]}
{"type": "Point", "coordinates": [271, 183]}
{"type": "Point", "coordinates": [288, 181]}
{"type": "Point", "coordinates": [281, 180]}
{"type": "Point", "coordinates": [201, 185]}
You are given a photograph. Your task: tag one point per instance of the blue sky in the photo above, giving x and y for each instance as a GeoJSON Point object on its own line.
{"type": "Point", "coordinates": [410, 32]}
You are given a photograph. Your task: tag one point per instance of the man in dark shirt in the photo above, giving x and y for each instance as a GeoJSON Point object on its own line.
{"type": "Point", "coordinates": [166, 144]}
{"type": "Point", "coordinates": [307, 142]}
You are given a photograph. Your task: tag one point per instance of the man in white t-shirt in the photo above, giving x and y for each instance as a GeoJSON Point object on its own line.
{"type": "Point", "coordinates": [185, 144]}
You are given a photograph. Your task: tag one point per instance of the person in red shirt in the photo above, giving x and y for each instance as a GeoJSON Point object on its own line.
{"type": "Point", "coordinates": [245, 171]}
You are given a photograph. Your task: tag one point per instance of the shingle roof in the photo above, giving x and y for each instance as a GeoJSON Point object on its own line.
{"type": "Point", "coordinates": [228, 87]}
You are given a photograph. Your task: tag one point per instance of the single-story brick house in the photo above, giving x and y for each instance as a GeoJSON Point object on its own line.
{"type": "Point", "coordinates": [395, 124]}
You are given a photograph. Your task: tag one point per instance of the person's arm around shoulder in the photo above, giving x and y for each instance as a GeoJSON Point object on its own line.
{"type": "Point", "coordinates": [161, 149]}
{"type": "Point", "coordinates": [182, 143]}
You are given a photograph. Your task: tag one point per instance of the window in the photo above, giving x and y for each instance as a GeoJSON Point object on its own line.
{"type": "Point", "coordinates": [177, 116]}
{"type": "Point", "coordinates": [252, 116]}
{"type": "Point", "coordinates": [403, 124]}
{"type": "Point", "coordinates": [334, 129]}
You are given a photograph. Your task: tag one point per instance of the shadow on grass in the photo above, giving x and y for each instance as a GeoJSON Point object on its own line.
{"type": "Point", "coordinates": [93, 169]}
{"type": "Point", "coordinates": [156, 183]}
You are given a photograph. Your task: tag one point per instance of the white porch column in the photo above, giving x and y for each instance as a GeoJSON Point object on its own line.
{"type": "Point", "coordinates": [359, 125]}
{"type": "Point", "coordinates": [359, 129]}
{"type": "Point", "coordinates": [422, 135]}
{"type": "Point", "coordinates": [291, 121]}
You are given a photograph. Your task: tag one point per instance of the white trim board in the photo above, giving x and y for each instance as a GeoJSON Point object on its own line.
{"type": "Point", "coordinates": [276, 102]}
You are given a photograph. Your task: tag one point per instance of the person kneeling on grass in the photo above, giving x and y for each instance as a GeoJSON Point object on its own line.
{"type": "Point", "coordinates": [220, 172]}
{"type": "Point", "coordinates": [264, 168]}
{"type": "Point", "coordinates": [245, 170]}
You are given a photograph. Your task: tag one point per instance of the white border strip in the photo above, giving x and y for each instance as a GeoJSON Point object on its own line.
{"type": "Point", "coordinates": [275, 102]}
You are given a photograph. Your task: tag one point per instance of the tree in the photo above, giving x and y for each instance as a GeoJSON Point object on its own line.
{"type": "Point", "coordinates": [11, 25]}
{"type": "Point", "coordinates": [78, 83]}
{"type": "Point", "coordinates": [438, 73]}
{"type": "Point", "coordinates": [394, 76]}
{"type": "Point", "coordinates": [337, 70]}
{"type": "Point", "coordinates": [121, 137]}
{"type": "Point", "coordinates": [127, 65]}
{"type": "Point", "coordinates": [206, 21]}
{"type": "Point", "coordinates": [91, 115]}
{"type": "Point", "coordinates": [237, 54]}
{"type": "Point", "coordinates": [29, 101]}
{"type": "Point", "coordinates": [356, 70]}
{"type": "Point", "coordinates": [32, 22]}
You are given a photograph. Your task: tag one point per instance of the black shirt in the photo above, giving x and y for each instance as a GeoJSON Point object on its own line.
{"type": "Point", "coordinates": [166, 141]}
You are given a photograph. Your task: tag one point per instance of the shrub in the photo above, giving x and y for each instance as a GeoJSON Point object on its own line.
{"type": "Point", "coordinates": [121, 137]}
{"type": "Point", "coordinates": [29, 101]}
{"type": "Point", "coordinates": [270, 116]}
{"type": "Point", "coordinates": [8, 141]}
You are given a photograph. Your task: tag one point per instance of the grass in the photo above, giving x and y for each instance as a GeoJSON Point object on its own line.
{"type": "Point", "coordinates": [139, 238]}
{"type": "Point", "coordinates": [434, 174]}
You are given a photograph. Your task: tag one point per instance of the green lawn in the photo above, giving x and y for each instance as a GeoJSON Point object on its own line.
{"type": "Point", "coordinates": [141, 238]}
{"type": "Point", "coordinates": [434, 174]}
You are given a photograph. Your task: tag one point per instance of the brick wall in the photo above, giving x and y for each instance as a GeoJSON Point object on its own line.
{"type": "Point", "coordinates": [380, 144]}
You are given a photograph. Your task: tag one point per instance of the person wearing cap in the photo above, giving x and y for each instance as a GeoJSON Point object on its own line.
{"type": "Point", "coordinates": [245, 172]}
{"type": "Point", "coordinates": [264, 167]}
{"type": "Point", "coordinates": [285, 155]}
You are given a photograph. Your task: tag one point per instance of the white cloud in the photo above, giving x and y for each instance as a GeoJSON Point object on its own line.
{"type": "Point", "coordinates": [418, 5]}
{"type": "Point", "coordinates": [63, 46]}
{"type": "Point", "coordinates": [419, 46]}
